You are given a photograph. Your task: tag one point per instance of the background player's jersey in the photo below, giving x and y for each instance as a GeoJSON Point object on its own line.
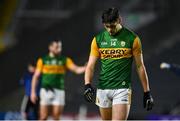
{"type": "Point", "coordinates": [27, 81]}
{"type": "Point", "coordinates": [53, 70]}
{"type": "Point", "coordinates": [116, 54]}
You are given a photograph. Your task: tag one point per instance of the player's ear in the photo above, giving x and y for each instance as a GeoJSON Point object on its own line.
{"type": "Point", "coordinates": [49, 47]}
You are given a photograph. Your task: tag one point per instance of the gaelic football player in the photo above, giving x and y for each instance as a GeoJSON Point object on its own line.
{"type": "Point", "coordinates": [52, 68]}
{"type": "Point", "coordinates": [116, 47]}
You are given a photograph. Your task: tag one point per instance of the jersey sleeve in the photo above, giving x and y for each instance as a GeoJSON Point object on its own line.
{"type": "Point", "coordinates": [94, 48]}
{"type": "Point", "coordinates": [137, 48]}
{"type": "Point", "coordinates": [69, 62]}
{"type": "Point", "coordinates": [39, 64]}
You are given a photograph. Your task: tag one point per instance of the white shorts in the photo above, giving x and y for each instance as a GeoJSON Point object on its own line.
{"type": "Point", "coordinates": [48, 97]}
{"type": "Point", "coordinates": [108, 97]}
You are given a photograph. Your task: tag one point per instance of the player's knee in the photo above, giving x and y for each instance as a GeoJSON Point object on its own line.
{"type": "Point", "coordinates": [43, 117]}
{"type": "Point", "coordinates": [106, 117]}
{"type": "Point", "coordinates": [120, 112]}
{"type": "Point", "coordinates": [119, 117]}
{"type": "Point", "coordinates": [56, 116]}
{"type": "Point", "coordinates": [106, 114]}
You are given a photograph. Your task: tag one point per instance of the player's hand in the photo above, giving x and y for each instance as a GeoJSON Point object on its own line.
{"type": "Point", "coordinates": [89, 93]}
{"type": "Point", "coordinates": [33, 97]}
{"type": "Point", "coordinates": [148, 101]}
{"type": "Point", "coordinates": [164, 65]}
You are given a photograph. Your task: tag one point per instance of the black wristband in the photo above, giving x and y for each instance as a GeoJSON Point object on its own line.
{"type": "Point", "coordinates": [147, 93]}
{"type": "Point", "coordinates": [88, 86]}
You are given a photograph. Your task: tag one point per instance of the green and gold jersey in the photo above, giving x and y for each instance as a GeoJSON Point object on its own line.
{"type": "Point", "coordinates": [53, 70]}
{"type": "Point", "coordinates": [116, 55]}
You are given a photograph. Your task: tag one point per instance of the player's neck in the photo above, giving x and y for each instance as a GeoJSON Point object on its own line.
{"type": "Point", "coordinates": [118, 29]}
{"type": "Point", "coordinates": [51, 54]}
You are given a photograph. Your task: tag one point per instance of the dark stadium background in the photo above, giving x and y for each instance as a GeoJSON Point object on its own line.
{"type": "Point", "coordinates": [26, 27]}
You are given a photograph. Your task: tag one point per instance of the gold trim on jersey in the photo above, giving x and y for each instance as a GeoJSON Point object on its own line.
{"type": "Point", "coordinates": [53, 69]}
{"type": "Point", "coordinates": [115, 53]}
{"type": "Point", "coordinates": [129, 95]}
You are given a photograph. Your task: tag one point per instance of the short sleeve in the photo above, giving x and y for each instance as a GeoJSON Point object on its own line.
{"type": "Point", "coordinates": [137, 48]}
{"type": "Point", "coordinates": [39, 64]}
{"type": "Point", "coordinates": [69, 62]}
{"type": "Point", "coordinates": [94, 48]}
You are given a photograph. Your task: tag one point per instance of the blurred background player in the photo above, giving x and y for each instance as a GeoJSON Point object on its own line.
{"type": "Point", "coordinates": [53, 67]}
{"type": "Point", "coordinates": [29, 110]}
{"type": "Point", "coordinates": [116, 46]}
{"type": "Point", "coordinates": [172, 67]}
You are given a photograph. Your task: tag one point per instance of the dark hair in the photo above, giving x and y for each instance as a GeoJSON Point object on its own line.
{"type": "Point", "coordinates": [110, 15]}
{"type": "Point", "coordinates": [32, 63]}
{"type": "Point", "coordinates": [52, 41]}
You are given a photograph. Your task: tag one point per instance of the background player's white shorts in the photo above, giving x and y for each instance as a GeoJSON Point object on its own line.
{"type": "Point", "coordinates": [108, 97]}
{"type": "Point", "coordinates": [48, 97]}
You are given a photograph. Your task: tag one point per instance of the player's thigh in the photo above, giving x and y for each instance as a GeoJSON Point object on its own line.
{"type": "Point", "coordinates": [57, 111]}
{"type": "Point", "coordinates": [58, 103]}
{"type": "Point", "coordinates": [106, 113]}
{"type": "Point", "coordinates": [44, 111]}
{"type": "Point", "coordinates": [59, 98]}
{"type": "Point", "coordinates": [120, 111]}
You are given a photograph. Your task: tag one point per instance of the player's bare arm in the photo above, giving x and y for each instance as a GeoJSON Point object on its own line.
{"type": "Point", "coordinates": [94, 55]}
{"type": "Point", "coordinates": [142, 72]}
{"type": "Point", "coordinates": [138, 57]}
{"type": "Point", "coordinates": [90, 69]}
{"type": "Point", "coordinates": [89, 93]}
{"type": "Point", "coordinates": [77, 69]}
{"type": "Point", "coordinates": [34, 84]}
